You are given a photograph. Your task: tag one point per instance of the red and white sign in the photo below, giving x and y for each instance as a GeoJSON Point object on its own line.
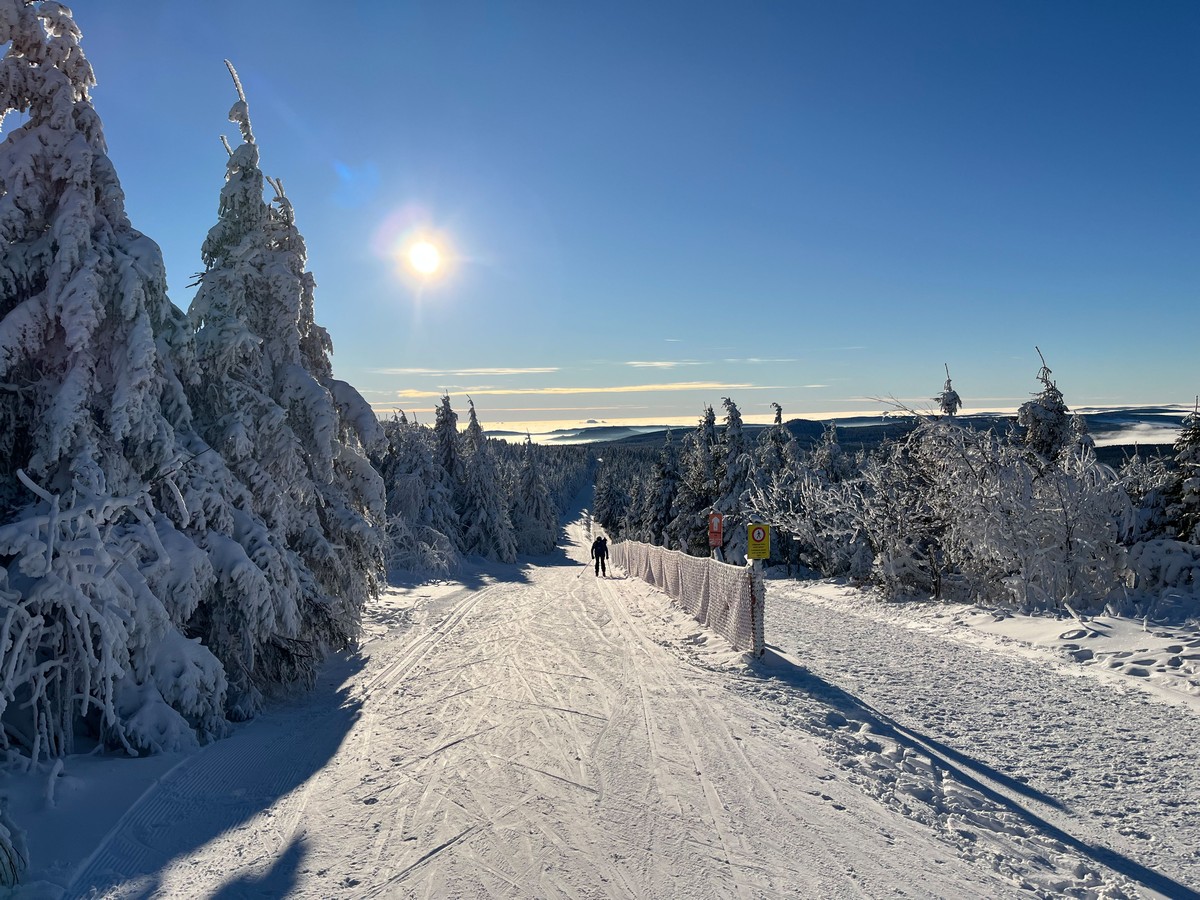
{"type": "Point", "coordinates": [716, 529]}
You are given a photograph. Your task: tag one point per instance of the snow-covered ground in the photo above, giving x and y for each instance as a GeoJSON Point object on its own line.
{"type": "Point", "coordinates": [536, 731]}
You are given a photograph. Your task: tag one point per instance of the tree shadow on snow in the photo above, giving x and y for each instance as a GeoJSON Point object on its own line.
{"type": "Point", "coordinates": [226, 784]}
{"type": "Point", "coordinates": [778, 668]}
{"type": "Point", "coordinates": [278, 881]}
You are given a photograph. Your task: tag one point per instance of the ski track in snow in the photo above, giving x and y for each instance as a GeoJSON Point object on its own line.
{"type": "Point", "coordinates": [1112, 767]}
{"type": "Point", "coordinates": [559, 735]}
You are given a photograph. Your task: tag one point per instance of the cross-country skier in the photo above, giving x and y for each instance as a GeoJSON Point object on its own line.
{"type": "Point", "coordinates": [600, 554]}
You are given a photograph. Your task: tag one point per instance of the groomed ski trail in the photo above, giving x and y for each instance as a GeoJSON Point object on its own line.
{"type": "Point", "coordinates": [530, 738]}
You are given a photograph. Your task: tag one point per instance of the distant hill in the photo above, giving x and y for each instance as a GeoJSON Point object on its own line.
{"type": "Point", "coordinates": [1118, 432]}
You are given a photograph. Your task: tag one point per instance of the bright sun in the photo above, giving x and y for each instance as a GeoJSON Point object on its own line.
{"type": "Point", "coordinates": [424, 257]}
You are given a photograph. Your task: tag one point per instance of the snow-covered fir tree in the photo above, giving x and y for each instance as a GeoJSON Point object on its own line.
{"type": "Point", "coordinates": [775, 457]}
{"type": "Point", "coordinates": [660, 495]}
{"type": "Point", "coordinates": [337, 430]}
{"type": "Point", "coordinates": [734, 487]}
{"type": "Point", "coordinates": [423, 527]}
{"type": "Point", "coordinates": [98, 471]}
{"type": "Point", "coordinates": [829, 459]}
{"type": "Point", "coordinates": [1045, 420]}
{"type": "Point", "coordinates": [697, 488]}
{"type": "Point", "coordinates": [487, 528]}
{"type": "Point", "coordinates": [292, 433]}
{"type": "Point", "coordinates": [535, 520]}
{"type": "Point", "coordinates": [611, 502]}
{"type": "Point", "coordinates": [1184, 511]}
{"type": "Point", "coordinates": [948, 400]}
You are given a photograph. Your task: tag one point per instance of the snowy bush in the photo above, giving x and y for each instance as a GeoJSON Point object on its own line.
{"type": "Point", "coordinates": [1162, 565]}
{"type": "Point", "coordinates": [977, 516]}
{"type": "Point", "coordinates": [85, 639]}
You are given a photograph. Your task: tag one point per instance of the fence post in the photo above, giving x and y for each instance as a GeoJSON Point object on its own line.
{"type": "Point", "coordinates": [758, 608]}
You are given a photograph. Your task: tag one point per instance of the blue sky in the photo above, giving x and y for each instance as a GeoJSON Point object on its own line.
{"type": "Point", "coordinates": [649, 206]}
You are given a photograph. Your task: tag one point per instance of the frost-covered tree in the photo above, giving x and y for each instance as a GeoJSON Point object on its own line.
{"type": "Point", "coordinates": [293, 434]}
{"type": "Point", "coordinates": [660, 495]}
{"type": "Point", "coordinates": [697, 488]}
{"type": "Point", "coordinates": [423, 527]}
{"type": "Point", "coordinates": [733, 490]}
{"type": "Point", "coordinates": [829, 459]}
{"type": "Point", "coordinates": [534, 518]}
{"type": "Point", "coordinates": [1046, 420]}
{"type": "Point", "coordinates": [337, 429]}
{"type": "Point", "coordinates": [1185, 492]}
{"type": "Point", "coordinates": [948, 400]}
{"type": "Point", "coordinates": [611, 502]}
{"type": "Point", "coordinates": [98, 472]}
{"type": "Point", "coordinates": [487, 528]}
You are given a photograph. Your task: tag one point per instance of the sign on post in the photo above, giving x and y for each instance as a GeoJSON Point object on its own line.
{"type": "Point", "coordinates": [716, 529]}
{"type": "Point", "coordinates": [760, 541]}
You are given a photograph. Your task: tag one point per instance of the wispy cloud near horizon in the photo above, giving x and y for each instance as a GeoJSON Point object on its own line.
{"type": "Point", "coordinates": [752, 360]}
{"type": "Point", "coordinates": [442, 373]}
{"type": "Point", "coordinates": [483, 391]}
{"type": "Point", "coordinates": [662, 364]}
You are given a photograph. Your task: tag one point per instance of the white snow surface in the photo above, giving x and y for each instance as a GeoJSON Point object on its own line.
{"type": "Point", "coordinates": [536, 731]}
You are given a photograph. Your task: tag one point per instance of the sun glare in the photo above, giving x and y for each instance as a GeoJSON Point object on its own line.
{"type": "Point", "coordinates": [424, 257]}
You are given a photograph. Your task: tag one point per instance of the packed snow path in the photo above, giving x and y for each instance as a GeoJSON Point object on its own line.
{"type": "Point", "coordinates": [546, 733]}
{"type": "Point", "coordinates": [1108, 768]}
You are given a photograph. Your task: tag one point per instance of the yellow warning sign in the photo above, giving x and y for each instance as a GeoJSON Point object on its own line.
{"type": "Point", "coordinates": [760, 541]}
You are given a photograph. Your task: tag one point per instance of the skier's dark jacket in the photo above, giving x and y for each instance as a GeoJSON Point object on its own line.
{"type": "Point", "coordinates": [600, 548]}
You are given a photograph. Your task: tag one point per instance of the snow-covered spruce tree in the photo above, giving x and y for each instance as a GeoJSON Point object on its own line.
{"type": "Point", "coordinates": [733, 490]}
{"type": "Point", "coordinates": [487, 529]}
{"type": "Point", "coordinates": [337, 430]}
{"type": "Point", "coordinates": [449, 454]}
{"type": "Point", "coordinates": [293, 434]}
{"type": "Point", "coordinates": [948, 400]}
{"type": "Point", "coordinates": [635, 510]}
{"type": "Point", "coordinates": [1148, 480]}
{"type": "Point", "coordinates": [1184, 511]}
{"type": "Point", "coordinates": [96, 581]}
{"type": "Point", "coordinates": [1045, 420]}
{"type": "Point", "coordinates": [775, 453]}
{"type": "Point", "coordinates": [829, 459]}
{"type": "Point", "coordinates": [534, 518]}
{"type": "Point", "coordinates": [420, 501]}
{"type": "Point", "coordinates": [664, 485]}
{"type": "Point", "coordinates": [776, 445]}
{"type": "Point", "coordinates": [611, 502]}
{"type": "Point", "coordinates": [697, 488]}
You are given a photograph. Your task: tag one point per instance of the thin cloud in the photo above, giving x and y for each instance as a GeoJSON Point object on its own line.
{"type": "Point", "coordinates": [465, 372]}
{"type": "Point", "coordinates": [662, 364]}
{"type": "Point", "coordinates": [411, 394]}
{"type": "Point", "coordinates": [753, 360]}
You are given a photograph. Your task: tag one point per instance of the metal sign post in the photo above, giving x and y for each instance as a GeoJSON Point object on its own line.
{"type": "Point", "coordinates": [759, 541]}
